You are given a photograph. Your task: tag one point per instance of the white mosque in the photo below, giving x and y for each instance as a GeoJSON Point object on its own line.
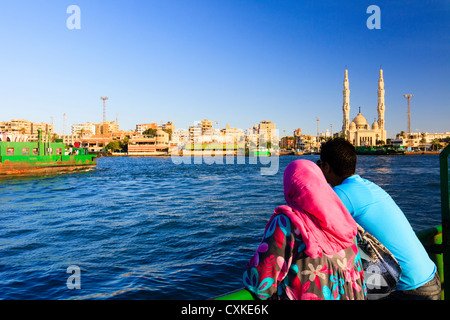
{"type": "Point", "coordinates": [358, 131]}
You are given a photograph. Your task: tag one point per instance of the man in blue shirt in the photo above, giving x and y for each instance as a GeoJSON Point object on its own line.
{"type": "Point", "coordinates": [375, 211]}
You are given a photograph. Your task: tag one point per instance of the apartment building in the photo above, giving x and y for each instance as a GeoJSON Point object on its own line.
{"type": "Point", "coordinates": [25, 127]}
{"type": "Point", "coordinates": [140, 128]}
{"type": "Point", "coordinates": [85, 128]}
{"type": "Point", "coordinates": [106, 128]}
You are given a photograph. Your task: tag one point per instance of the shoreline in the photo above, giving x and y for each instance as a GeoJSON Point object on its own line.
{"type": "Point", "coordinates": [421, 152]}
{"type": "Point", "coordinates": [408, 153]}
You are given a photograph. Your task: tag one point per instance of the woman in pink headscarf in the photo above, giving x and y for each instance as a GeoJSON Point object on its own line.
{"type": "Point", "coordinates": [309, 250]}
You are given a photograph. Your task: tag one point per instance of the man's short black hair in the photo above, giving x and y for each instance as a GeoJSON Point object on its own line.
{"type": "Point", "coordinates": [340, 154]}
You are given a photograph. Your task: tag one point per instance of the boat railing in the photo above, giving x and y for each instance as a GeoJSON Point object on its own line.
{"type": "Point", "coordinates": [445, 213]}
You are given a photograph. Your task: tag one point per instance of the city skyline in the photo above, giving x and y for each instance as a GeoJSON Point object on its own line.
{"type": "Point", "coordinates": [236, 63]}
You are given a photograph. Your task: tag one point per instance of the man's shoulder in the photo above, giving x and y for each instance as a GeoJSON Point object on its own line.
{"type": "Point", "coordinates": [355, 186]}
{"type": "Point", "coordinates": [357, 181]}
{"type": "Point", "coordinates": [350, 182]}
{"type": "Point", "coordinates": [361, 190]}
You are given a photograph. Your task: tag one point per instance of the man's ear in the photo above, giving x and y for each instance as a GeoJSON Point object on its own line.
{"type": "Point", "coordinates": [326, 167]}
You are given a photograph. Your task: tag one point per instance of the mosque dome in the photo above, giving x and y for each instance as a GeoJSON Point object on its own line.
{"type": "Point", "coordinates": [359, 120]}
{"type": "Point", "coordinates": [352, 125]}
{"type": "Point", "coordinates": [375, 125]}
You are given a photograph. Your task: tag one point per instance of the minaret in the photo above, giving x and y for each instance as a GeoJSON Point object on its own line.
{"type": "Point", "coordinates": [346, 105]}
{"type": "Point", "coordinates": [380, 107]}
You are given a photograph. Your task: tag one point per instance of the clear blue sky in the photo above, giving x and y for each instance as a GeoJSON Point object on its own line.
{"type": "Point", "coordinates": [236, 62]}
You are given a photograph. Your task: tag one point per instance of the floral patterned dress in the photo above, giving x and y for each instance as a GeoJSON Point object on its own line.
{"type": "Point", "coordinates": [280, 269]}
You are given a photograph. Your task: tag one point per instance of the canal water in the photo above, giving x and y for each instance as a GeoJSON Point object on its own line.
{"type": "Point", "coordinates": [146, 228]}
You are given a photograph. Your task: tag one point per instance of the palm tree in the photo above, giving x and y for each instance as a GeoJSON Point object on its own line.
{"type": "Point", "coordinates": [435, 145]}
{"type": "Point", "coordinates": [81, 132]}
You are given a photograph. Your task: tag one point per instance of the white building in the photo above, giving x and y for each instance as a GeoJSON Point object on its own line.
{"type": "Point", "coordinates": [83, 128]}
{"type": "Point", "coordinates": [180, 136]}
{"type": "Point", "coordinates": [418, 139]}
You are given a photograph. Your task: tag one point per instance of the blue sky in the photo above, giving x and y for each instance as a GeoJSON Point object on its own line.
{"type": "Point", "coordinates": [236, 62]}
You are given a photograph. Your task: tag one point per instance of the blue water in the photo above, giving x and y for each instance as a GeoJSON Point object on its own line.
{"type": "Point", "coordinates": [145, 228]}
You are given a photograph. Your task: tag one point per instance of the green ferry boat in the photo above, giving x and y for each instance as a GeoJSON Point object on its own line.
{"type": "Point", "coordinates": [37, 158]}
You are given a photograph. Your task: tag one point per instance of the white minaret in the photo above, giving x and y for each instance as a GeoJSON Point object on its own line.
{"type": "Point", "coordinates": [381, 107]}
{"type": "Point", "coordinates": [346, 105]}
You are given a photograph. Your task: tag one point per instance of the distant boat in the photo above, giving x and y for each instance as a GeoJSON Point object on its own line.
{"type": "Point", "coordinates": [21, 158]}
{"type": "Point", "coordinates": [287, 153]}
{"type": "Point", "coordinates": [380, 150]}
{"type": "Point", "coordinates": [261, 152]}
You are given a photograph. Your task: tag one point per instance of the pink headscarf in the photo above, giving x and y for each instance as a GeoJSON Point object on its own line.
{"type": "Point", "coordinates": [316, 210]}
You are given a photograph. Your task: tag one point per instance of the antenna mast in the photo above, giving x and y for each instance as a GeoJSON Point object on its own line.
{"type": "Point", "coordinates": [409, 96]}
{"type": "Point", "coordinates": [318, 134]}
{"type": "Point", "coordinates": [64, 123]}
{"type": "Point", "coordinates": [104, 107]}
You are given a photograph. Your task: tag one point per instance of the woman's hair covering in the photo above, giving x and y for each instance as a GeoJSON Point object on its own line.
{"type": "Point", "coordinates": [316, 210]}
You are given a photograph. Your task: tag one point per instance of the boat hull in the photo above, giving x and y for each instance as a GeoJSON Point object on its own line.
{"type": "Point", "coordinates": [18, 158]}
{"type": "Point", "coordinates": [10, 169]}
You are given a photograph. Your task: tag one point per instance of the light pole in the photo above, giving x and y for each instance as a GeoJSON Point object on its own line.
{"type": "Point", "coordinates": [318, 134]}
{"type": "Point", "coordinates": [104, 107]}
{"type": "Point", "coordinates": [409, 96]}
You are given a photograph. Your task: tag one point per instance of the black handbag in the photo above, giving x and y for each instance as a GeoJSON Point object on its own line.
{"type": "Point", "coordinates": [381, 270]}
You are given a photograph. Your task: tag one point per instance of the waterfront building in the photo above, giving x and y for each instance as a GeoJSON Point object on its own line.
{"type": "Point", "coordinates": [266, 130]}
{"type": "Point", "coordinates": [422, 140]}
{"type": "Point", "coordinates": [206, 125]}
{"type": "Point", "coordinates": [106, 128]}
{"type": "Point", "coordinates": [87, 128]}
{"type": "Point", "coordinates": [232, 135]}
{"type": "Point", "coordinates": [157, 145]}
{"type": "Point", "coordinates": [287, 142]}
{"type": "Point", "coordinates": [307, 143]}
{"type": "Point", "coordinates": [141, 145]}
{"type": "Point", "coordinates": [162, 138]}
{"type": "Point", "coordinates": [195, 132]}
{"type": "Point", "coordinates": [45, 127]}
{"type": "Point", "coordinates": [212, 135]}
{"type": "Point", "coordinates": [297, 138]}
{"type": "Point", "coordinates": [429, 137]}
{"type": "Point", "coordinates": [95, 143]}
{"type": "Point", "coordinates": [180, 136]}
{"type": "Point", "coordinates": [25, 127]}
{"type": "Point", "coordinates": [69, 139]}
{"type": "Point", "coordinates": [121, 134]}
{"type": "Point", "coordinates": [169, 126]}
{"type": "Point", "coordinates": [358, 131]}
{"type": "Point", "coordinates": [140, 128]}
{"type": "Point", "coordinates": [251, 137]}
